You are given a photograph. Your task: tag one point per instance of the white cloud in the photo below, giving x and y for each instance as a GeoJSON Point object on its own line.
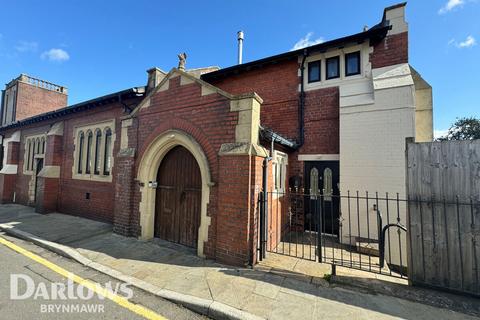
{"type": "Point", "coordinates": [467, 43]}
{"type": "Point", "coordinates": [26, 46]}
{"type": "Point", "coordinates": [450, 5]}
{"type": "Point", "coordinates": [56, 55]}
{"type": "Point", "coordinates": [439, 133]}
{"type": "Point", "coordinates": [306, 41]}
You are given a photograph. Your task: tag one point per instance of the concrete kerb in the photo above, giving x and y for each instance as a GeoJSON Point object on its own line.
{"type": "Point", "coordinates": [211, 308]}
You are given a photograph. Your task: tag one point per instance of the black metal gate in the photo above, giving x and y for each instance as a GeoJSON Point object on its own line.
{"type": "Point", "coordinates": [360, 231]}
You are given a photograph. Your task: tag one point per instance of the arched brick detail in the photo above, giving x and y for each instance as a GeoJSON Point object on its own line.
{"type": "Point", "coordinates": [189, 128]}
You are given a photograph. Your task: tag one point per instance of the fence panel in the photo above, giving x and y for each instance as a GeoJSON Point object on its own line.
{"type": "Point", "coordinates": [443, 185]}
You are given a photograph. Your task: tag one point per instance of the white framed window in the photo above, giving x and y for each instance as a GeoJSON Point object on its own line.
{"type": "Point", "coordinates": [33, 148]}
{"type": "Point", "coordinates": [337, 66]}
{"type": "Point", "coordinates": [279, 167]}
{"type": "Point", "coordinates": [93, 154]}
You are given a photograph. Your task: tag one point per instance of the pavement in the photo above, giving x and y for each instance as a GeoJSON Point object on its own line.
{"type": "Point", "coordinates": [275, 289]}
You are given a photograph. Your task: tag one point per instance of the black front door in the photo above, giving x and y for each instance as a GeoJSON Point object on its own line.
{"type": "Point", "coordinates": [322, 196]}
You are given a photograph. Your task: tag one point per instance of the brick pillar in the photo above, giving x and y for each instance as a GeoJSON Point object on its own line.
{"type": "Point", "coordinates": [124, 191]}
{"type": "Point", "coordinates": [240, 178]}
{"type": "Point", "coordinates": [8, 174]}
{"type": "Point", "coordinates": [48, 180]}
{"type": "Point", "coordinates": [124, 222]}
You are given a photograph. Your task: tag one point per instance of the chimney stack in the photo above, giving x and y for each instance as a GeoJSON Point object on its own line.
{"type": "Point", "coordinates": [240, 46]}
{"type": "Point", "coordinates": [155, 76]}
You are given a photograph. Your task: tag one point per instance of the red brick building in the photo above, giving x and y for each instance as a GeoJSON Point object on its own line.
{"type": "Point", "coordinates": [185, 158]}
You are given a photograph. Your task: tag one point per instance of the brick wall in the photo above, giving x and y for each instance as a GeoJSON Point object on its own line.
{"type": "Point", "coordinates": [73, 192]}
{"type": "Point", "coordinates": [277, 85]}
{"type": "Point", "coordinates": [391, 50]}
{"type": "Point", "coordinates": [33, 100]}
{"type": "Point", "coordinates": [7, 184]}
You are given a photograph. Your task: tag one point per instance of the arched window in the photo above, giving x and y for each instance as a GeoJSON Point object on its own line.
{"type": "Point", "coordinates": [89, 152]}
{"type": "Point", "coordinates": [313, 183]}
{"type": "Point", "coordinates": [43, 146]}
{"type": "Point", "coordinates": [38, 146]}
{"type": "Point", "coordinates": [98, 146]}
{"type": "Point", "coordinates": [107, 163]}
{"type": "Point", "coordinates": [28, 151]}
{"type": "Point", "coordinates": [31, 154]}
{"type": "Point", "coordinates": [327, 184]}
{"type": "Point", "coordinates": [81, 142]}
{"type": "Point", "coordinates": [34, 149]}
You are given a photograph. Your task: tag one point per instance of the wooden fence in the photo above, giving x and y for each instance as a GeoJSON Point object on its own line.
{"type": "Point", "coordinates": [443, 186]}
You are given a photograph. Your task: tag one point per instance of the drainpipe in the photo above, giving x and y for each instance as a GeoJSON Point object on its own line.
{"type": "Point", "coordinates": [301, 101]}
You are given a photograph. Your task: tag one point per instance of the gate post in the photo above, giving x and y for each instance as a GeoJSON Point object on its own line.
{"type": "Point", "coordinates": [319, 213]}
{"type": "Point", "coordinates": [262, 246]}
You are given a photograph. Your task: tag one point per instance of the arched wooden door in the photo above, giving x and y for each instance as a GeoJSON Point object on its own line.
{"type": "Point", "coordinates": [179, 191]}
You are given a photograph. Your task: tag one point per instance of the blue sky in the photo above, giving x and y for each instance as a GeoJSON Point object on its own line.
{"type": "Point", "coordinates": [98, 47]}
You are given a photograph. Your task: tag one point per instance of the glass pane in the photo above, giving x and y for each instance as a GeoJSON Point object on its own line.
{"type": "Point", "coordinates": [89, 152]}
{"type": "Point", "coordinates": [108, 153]}
{"type": "Point", "coordinates": [31, 154]}
{"type": "Point", "coordinates": [352, 61]}
{"type": "Point", "coordinates": [313, 183]}
{"type": "Point", "coordinates": [98, 143]}
{"type": "Point", "coordinates": [333, 68]}
{"type": "Point", "coordinates": [314, 71]}
{"type": "Point", "coordinates": [80, 152]}
{"type": "Point", "coordinates": [28, 155]}
{"type": "Point", "coordinates": [327, 184]}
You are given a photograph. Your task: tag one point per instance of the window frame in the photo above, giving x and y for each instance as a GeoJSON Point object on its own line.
{"type": "Point", "coordinates": [309, 67]}
{"type": "Point", "coordinates": [32, 149]}
{"type": "Point", "coordinates": [81, 143]}
{"type": "Point", "coordinates": [337, 58]}
{"type": "Point", "coordinates": [93, 152]}
{"type": "Point", "coordinates": [358, 55]}
{"type": "Point", "coordinates": [97, 157]}
{"type": "Point", "coordinates": [279, 173]}
{"type": "Point", "coordinates": [108, 152]}
{"type": "Point", "coordinates": [88, 154]}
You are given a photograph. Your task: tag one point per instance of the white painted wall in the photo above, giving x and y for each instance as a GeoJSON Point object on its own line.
{"type": "Point", "coordinates": [372, 153]}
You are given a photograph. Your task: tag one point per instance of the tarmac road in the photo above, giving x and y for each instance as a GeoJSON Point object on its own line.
{"type": "Point", "coordinates": [68, 305]}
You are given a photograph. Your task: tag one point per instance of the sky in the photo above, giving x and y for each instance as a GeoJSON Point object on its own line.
{"type": "Point", "coordinates": [99, 47]}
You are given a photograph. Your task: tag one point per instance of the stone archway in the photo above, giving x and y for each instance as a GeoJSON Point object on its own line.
{"type": "Point", "coordinates": [147, 173]}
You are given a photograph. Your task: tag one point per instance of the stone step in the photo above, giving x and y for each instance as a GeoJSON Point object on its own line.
{"type": "Point", "coordinates": [368, 248]}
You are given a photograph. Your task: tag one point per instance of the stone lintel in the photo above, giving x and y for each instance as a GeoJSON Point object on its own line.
{"type": "Point", "coordinates": [50, 172]}
{"type": "Point", "coordinates": [242, 148]}
{"type": "Point", "coordinates": [126, 152]}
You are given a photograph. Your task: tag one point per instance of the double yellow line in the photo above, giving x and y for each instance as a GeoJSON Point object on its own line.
{"type": "Point", "coordinates": [138, 309]}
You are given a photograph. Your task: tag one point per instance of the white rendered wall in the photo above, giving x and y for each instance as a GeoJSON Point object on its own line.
{"type": "Point", "coordinates": [372, 154]}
